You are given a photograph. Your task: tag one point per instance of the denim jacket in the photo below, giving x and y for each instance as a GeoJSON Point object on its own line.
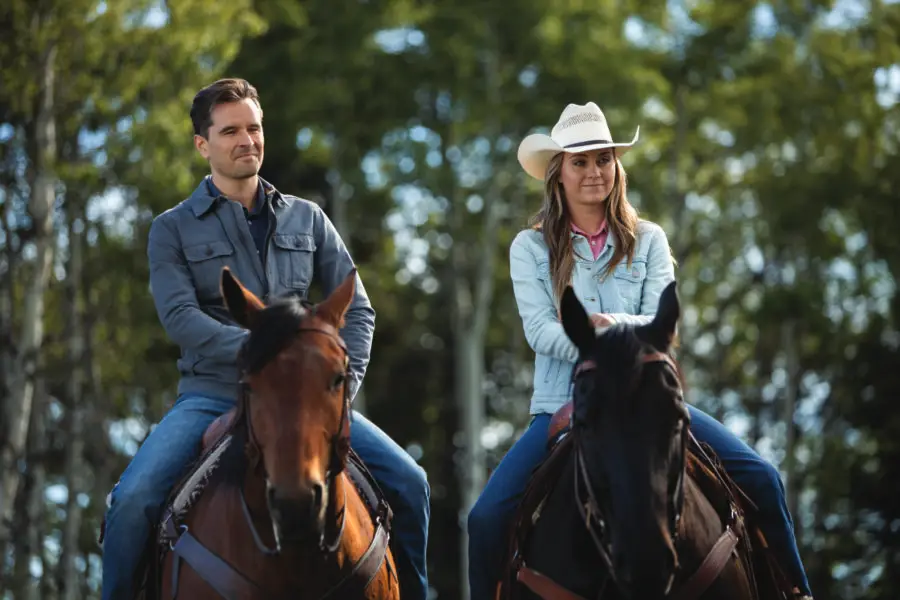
{"type": "Point", "coordinates": [629, 295]}
{"type": "Point", "coordinates": [189, 245]}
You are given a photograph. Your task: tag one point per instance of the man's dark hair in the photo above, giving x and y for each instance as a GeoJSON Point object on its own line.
{"type": "Point", "coordinates": [220, 92]}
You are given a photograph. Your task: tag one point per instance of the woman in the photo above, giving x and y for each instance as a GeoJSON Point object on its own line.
{"type": "Point", "coordinates": [587, 234]}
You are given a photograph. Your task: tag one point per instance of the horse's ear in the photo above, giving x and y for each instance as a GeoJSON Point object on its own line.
{"type": "Point", "coordinates": [661, 331]}
{"type": "Point", "coordinates": [240, 302]}
{"type": "Point", "coordinates": [333, 308]}
{"type": "Point", "coordinates": [576, 322]}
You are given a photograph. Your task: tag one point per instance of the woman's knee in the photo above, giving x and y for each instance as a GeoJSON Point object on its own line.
{"type": "Point", "coordinates": [481, 515]}
{"type": "Point", "coordinates": [768, 488]}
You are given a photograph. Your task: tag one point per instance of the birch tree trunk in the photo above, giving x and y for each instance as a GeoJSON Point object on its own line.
{"type": "Point", "coordinates": [18, 402]}
{"type": "Point", "coordinates": [67, 576]}
{"type": "Point", "coordinates": [29, 518]}
{"type": "Point", "coordinates": [472, 303]}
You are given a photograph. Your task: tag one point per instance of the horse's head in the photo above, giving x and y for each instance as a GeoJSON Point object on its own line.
{"type": "Point", "coordinates": [297, 405]}
{"type": "Point", "coordinates": [630, 425]}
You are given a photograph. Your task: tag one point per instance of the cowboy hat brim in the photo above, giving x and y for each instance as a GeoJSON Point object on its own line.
{"type": "Point", "coordinates": [537, 149]}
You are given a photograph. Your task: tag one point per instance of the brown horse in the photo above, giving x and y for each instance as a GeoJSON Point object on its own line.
{"type": "Point", "coordinates": [282, 508]}
{"type": "Point", "coordinates": [628, 505]}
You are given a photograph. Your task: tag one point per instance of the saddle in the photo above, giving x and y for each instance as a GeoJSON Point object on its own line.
{"type": "Point", "coordinates": [185, 494]}
{"type": "Point", "coordinates": [703, 466]}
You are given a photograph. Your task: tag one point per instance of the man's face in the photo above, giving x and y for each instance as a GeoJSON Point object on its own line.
{"type": "Point", "coordinates": [234, 148]}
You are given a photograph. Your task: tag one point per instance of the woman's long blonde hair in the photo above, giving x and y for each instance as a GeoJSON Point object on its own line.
{"type": "Point", "coordinates": [554, 222]}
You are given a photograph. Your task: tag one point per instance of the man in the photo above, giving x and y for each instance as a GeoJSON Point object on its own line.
{"type": "Point", "coordinates": [275, 244]}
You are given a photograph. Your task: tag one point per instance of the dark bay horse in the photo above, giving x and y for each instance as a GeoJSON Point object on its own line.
{"type": "Point", "coordinates": [288, 510]}
{"type": "Point", "coordinates": [628, 505]}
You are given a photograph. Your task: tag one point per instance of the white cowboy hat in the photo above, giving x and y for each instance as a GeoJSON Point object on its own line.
{"type": "Point", "coordinates": [581, 127]}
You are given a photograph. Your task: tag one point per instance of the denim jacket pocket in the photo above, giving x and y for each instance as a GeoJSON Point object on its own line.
{"type": "Point", "coordinates": [629, 282]}
{"type": "Point", "coordinates": [205, 262]}
{"type": "Point", "coordinates": [294, 259]}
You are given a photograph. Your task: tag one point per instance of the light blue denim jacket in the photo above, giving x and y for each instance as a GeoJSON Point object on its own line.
{"type": "Point", "coordinates": [630, 294]}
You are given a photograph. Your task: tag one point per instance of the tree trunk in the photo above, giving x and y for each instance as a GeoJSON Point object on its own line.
{"type": "Point", "coordinates": [29, 518]}
{"type": "Point", "coordinates": [67, 576]}
{"type": "Point", "coordinates": [18, 403]}
{"type": "Point", "coordinates": [472, 302]}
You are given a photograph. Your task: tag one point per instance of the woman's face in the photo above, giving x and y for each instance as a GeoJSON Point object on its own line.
{"type": "Point", "coordinates": [588, 177]}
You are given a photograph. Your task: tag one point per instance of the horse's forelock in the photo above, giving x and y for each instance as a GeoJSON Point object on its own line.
{"type": "Point", "coordinates": [617, 354]}
{"type": "Point", "coordinates": [275, 327]}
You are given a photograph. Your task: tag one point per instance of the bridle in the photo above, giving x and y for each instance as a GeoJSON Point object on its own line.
{"type": "Point", "coordinates": [585, 498]}
{"type": "Point", "coordinates": [338, 446]}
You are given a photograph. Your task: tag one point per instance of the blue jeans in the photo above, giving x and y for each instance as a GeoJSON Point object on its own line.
{"type": "Point", "coordinates": [174, 444]}
{"type": "Point", "coordinates": [491, 516]}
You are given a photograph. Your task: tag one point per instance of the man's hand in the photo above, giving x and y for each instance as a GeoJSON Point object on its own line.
{"type": "Point", "coordinates": [601, 320]}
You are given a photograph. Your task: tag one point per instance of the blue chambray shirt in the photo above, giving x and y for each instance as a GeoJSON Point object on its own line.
{"type": "Point", "coordinates": [192, 242]}
{"type": "Point", "coordinates": [629, 294]}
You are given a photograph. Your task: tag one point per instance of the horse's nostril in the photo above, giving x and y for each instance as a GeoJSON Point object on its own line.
{"type": "Point", "coordinates": [318, 492]}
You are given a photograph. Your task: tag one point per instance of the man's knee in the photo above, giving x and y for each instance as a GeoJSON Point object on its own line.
{"type": "Point", "coordinates": [414, 484]}
{"type": "Point", "coordinates": [135, 497]}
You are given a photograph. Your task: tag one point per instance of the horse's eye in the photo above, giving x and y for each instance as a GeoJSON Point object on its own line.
{"type": "Point", "coordinates": [338, 381]}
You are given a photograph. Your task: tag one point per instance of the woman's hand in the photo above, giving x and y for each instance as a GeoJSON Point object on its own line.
{"type": "Point", "coordinates": [601, 320]}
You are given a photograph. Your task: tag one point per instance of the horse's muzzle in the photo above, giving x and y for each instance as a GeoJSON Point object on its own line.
{"type": "Point", "coordinates": [646, 579]}
{"type": "Point", "coordinates": [298, 514]}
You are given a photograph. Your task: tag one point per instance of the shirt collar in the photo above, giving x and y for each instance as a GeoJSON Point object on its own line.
{"type": "Point", "coordinates": [602, 230]}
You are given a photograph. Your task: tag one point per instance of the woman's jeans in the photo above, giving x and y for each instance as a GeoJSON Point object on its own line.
{"type": "Point", "coordinates": [492, 515]}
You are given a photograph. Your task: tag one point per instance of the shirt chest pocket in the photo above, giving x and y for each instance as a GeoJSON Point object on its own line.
{"type": "Point", "coordinates": [629, 281]}
{"type": "Point", "coordinates": [205, 262]}
{"type": "Point", "coordinates": [293, 254]}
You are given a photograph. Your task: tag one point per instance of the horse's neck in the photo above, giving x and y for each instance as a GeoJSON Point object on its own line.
{"type": "Point", "coordinates": [559, 546]}
{"type": "Point", "coordinates": [700, 527]}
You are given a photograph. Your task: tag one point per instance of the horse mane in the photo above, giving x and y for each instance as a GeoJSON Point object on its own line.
{"type": "Point", "coordinates": [274, 328]}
